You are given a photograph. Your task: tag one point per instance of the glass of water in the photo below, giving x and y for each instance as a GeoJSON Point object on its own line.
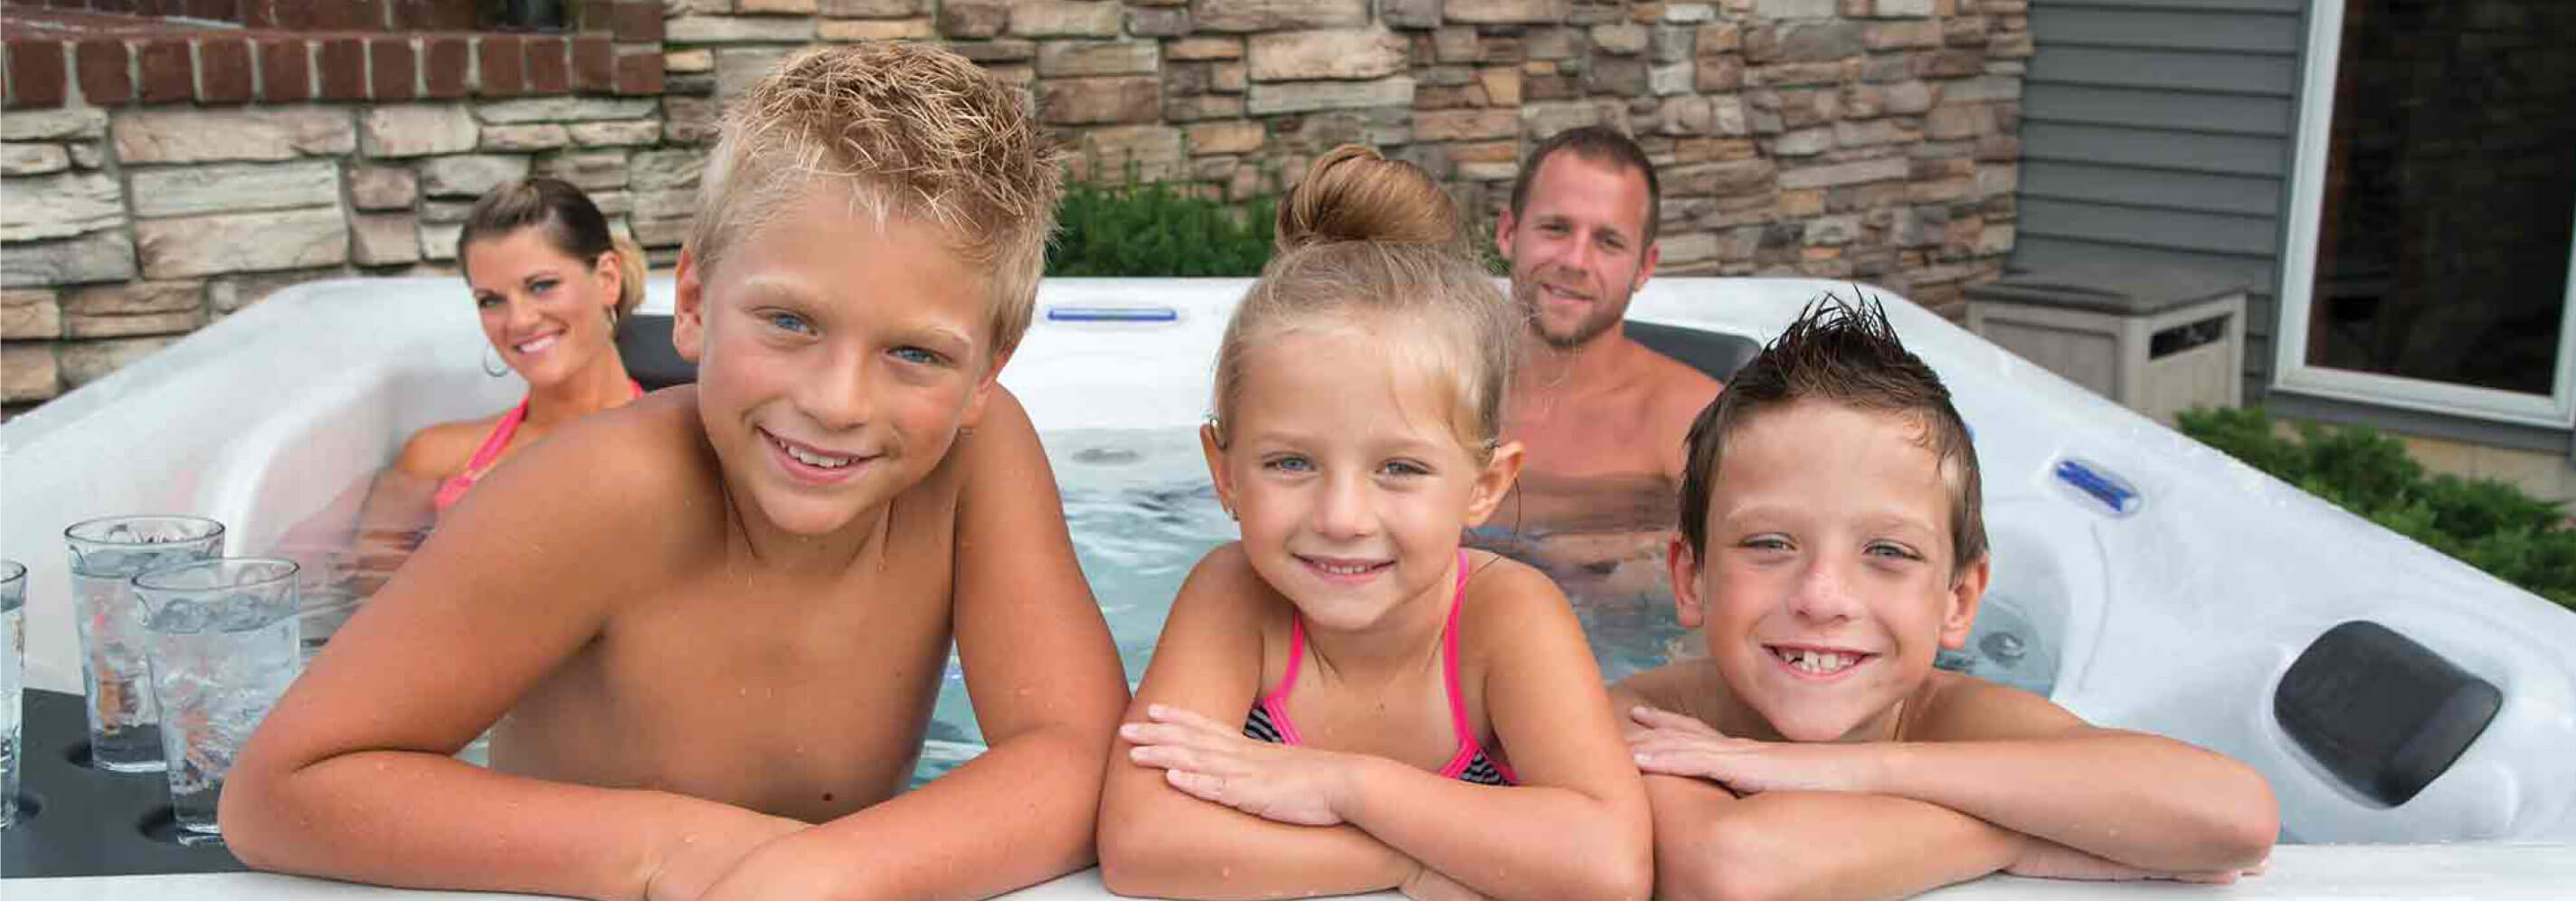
{"type": "Point", "coordinates": [13, 653]}
{"type": "Point", "coordinates": [124, 732]}
{"type": "Point", "coordinates": [221, 635]}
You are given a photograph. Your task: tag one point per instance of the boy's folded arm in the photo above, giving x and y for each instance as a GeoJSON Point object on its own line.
{"type": "Point", "coordinates": [1044, 677]}
{"type": "Point", "coordinates": [1157, 841]}
{"type": "Point", "coordinates": [1576, 826]}
{"type": "Point", "coordinates": [1792, 844]}
{"type": "Point", "coordinates": [350, 776]}
{"type": "Point", "coordinates": [2021, 762]}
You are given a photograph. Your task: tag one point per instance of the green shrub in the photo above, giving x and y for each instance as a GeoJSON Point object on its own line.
{"type": "Point", "coordinates": [1156, 229]}
{"type": "Point", "coordinates": [1145, 230]}
{"type": "Point", "coordinates": [2485, 523]}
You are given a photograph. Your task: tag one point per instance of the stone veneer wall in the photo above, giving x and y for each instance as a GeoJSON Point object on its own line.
{"type": "Point", "coordinates": [1863, 139]}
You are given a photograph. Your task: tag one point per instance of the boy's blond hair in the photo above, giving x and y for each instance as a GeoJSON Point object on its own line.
{"type": "Point", "coordinates": [911, 131]}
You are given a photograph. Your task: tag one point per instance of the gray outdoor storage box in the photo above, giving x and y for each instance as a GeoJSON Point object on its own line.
{"type": "Point", "coordinates": [2156, 339]}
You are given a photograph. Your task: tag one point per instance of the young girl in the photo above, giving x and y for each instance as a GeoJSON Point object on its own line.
{"type": "Point", "coordinates": [1346, 700]}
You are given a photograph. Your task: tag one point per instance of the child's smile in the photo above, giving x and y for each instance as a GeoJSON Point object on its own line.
{"type": "Point", "coordinates": [1348, 477]}
{"type": "Point", "coordinates": [1826, 586]}
{"type": "Point", "coordinates": [838, 359]}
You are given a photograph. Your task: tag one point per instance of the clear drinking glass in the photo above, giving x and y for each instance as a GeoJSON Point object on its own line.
{"type": "Point", "coordinates": [124, 732]}
{"type": "Point", "coordinates": [13, 654]}
{"type": "Point", "coordinates": [223, 648]}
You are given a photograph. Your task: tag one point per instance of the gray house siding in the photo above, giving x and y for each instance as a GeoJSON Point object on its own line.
{"type": "Point", "coordinates": [2163, 130]}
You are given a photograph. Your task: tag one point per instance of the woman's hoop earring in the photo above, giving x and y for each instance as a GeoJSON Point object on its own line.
{"type": "Point", "coordinates": [491, 358]}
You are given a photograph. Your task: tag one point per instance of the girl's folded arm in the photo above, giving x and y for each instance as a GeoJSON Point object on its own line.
{"type": "Point", "coordinates": [1576, 825]}
{"type": "Point", "coordinates": [1155, 840]}
{"type": "Point", "coordinates": [350, 776]}
{"type": "Point", "coordinates": [2021, 762]}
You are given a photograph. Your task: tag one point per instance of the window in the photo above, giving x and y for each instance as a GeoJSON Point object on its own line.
{"type": "Point", "coordinates": [2433, 209]}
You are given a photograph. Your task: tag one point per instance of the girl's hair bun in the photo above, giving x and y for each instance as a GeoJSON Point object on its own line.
{"type": "Point", "coordinates": [1354, 194]}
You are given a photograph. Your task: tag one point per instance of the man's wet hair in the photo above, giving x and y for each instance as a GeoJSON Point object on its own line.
{"type": "Point", "coordinates": [1600, 144]}
{"type": "Point", "coordinates": [1843, 352]}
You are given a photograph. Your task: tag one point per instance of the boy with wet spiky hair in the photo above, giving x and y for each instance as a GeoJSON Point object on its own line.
{"type": "Point", "coordinates": [716, 619]}
{"type": "Point", "coordinates": [1831, 544]}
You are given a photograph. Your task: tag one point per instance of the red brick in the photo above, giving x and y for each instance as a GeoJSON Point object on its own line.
{"type": "Point", "coordinates": [499, 61]}
{"type": "Point", "coordinates": [35, 73]}
{"type": "Point", "coordinates": [454, 15]}
{"type": "Point", "coordinates": [548, 70]}
{"type": "Point", "coordinates": [294, 14]}
{"type": "Point", "coordinates": [444, 65]}
{"type": "Point", "coordinates": [639, 22]}
{"type": "Point", "coordinates": [597, 16]}
{"type": "Point", "coordinates": [639, 73]}
{"type": "Point", "coordinates": [390, 67]}
{"type": "Point", "coordinates": [331, 15]}
{"type": "Point", "coordinates": [341, 67]}
{"type": "Point", "coordinates": [223, 70]}
{"type": "Point", "coordinates": [259, 13]}
{"type": "Point", "coordinates": [285, 70]}
{"type": "Point", "coordinates": [110, 6]}
{"type": "Point", "coordinates": [169, 75]}
{"type": "Point", "coordinates": [217, 10]}
{"type": "Point", "coordinates": [100, 65]}
{"type": "Point", "coordinates": [593, 64]}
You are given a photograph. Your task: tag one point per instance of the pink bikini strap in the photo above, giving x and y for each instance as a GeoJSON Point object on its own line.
{"type": "Point", "coordinates": [1449, 664]}
{"type": "Point", "coordinates": [1276, 702]}
{"type": "Point", "coordinates": [501, 432]}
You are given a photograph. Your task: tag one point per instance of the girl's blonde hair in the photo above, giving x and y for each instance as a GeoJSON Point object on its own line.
{"type": "Point", "coordinates": [569, 220]}
{"type": "Point", "coordinates": [1371, 244]}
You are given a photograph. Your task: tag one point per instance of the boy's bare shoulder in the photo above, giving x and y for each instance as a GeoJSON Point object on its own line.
{"type": "Point", "coordinates": [643, 472]}
{"type": "Point", "coordinates": [1677, 686]}
{"type": "Point", "coordinates": [1005, 440]}
{"type": "Point", "coordinates": [1955, 707]}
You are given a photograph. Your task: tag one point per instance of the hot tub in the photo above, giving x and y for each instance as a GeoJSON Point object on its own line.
{"type": "Point", "coordinates": [2142, 580]}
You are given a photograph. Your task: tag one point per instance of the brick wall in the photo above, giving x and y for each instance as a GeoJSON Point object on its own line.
{"type": "Point", "coordinates": [1862, 139]}
{"type": "Point", "coordinates": [157, 173]}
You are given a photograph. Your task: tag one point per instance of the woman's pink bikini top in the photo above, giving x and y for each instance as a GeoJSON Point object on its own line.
{"type": "Point", "coordinates": [1269, 718]}
{"type": "Point", "coordinates": [453, 490]}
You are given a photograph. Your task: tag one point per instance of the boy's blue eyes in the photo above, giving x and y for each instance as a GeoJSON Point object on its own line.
{"type": "Point", "coordinates": [791, 322]}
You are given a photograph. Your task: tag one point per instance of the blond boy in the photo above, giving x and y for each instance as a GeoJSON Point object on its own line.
{"type": "Point", "coordinates": [1831, 545]}
{"type": "Point", "coordinates": [716, 619]}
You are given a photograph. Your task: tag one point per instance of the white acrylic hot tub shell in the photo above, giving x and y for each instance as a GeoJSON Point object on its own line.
{"type": "Point", "coordinates": [2178, 620]}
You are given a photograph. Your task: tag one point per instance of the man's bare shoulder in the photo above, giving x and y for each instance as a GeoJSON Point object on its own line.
{"type": "Point", "coordinates": [1675, 394]}
{"type": "Point", "coordinates": [1675, 387]}
{"type": "Point", "coordinates": [1955, 707]}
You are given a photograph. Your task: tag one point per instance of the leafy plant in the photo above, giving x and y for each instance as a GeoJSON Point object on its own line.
{"type": "Point", "coordinates": [1150, 229]}
{"type": "Point", "coordinates": [1155, 229]}
{"type": "Point", "coordinates": [2485, 523]}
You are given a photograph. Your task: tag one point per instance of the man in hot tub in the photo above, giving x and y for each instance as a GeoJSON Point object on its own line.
{"type": "Point", "coordinates": [1602, 416]}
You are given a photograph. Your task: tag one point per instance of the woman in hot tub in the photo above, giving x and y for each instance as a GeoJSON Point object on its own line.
{"type": "Point", "coordinates": [550, 283]}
